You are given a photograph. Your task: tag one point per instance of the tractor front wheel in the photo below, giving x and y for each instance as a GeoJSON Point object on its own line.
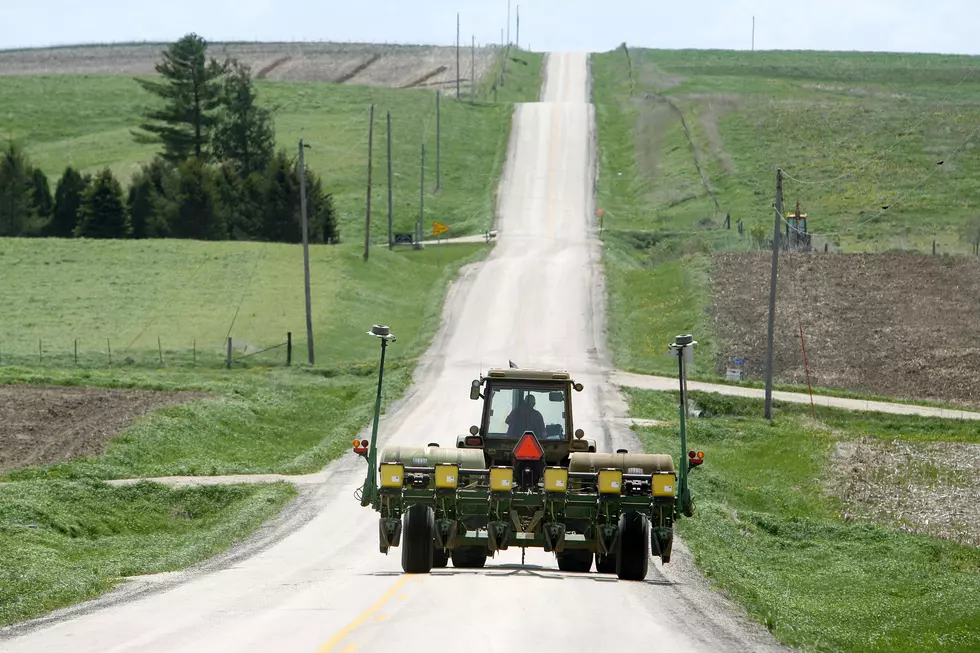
{"type": "Point", "coordinates": [575, 560]}
{"type": "Point", "coordinates": [440, 558]}
{"type": "Point", "coordinates": [633, 547]}
{"type": "Point", "coordinates": [605, 564]}
{"type": "Point", "coordinates": [469, 557]}
{"type": "Point", "coordinates": [418, 547]}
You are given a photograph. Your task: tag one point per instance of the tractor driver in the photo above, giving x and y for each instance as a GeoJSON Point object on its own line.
{"type": "Point", "coordinates": [525, 418]}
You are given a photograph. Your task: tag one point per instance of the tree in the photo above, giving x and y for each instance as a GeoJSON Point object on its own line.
{"type": "Point", "coordinates": [281, 219]}
{"type": "Point", "coordinates": [140, 205]}
{"type": "Point", "coordinates": [194, 208]}
{"type": "Point", "coordinates": [67, 201]}
{"type": "Point", "coordinates": [103, 213]}
{"type": "Point", "coordinates": [17, 212]}
{"type": "Point", "coordinates": [192, 93]}
{"type": "Point", "coordinates": [149, 200]}
{"type": "Point", "coordinates": [245, 133]}
{"type": "Point", "coordinates": [41, 195]}
{"type": "Point", "coordinates": [320, 210]}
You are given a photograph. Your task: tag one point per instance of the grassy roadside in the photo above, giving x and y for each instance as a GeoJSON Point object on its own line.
{"type": "Point", "coordinates": [274, 419]}
{"type": "Point", "coordinates": [65, 542]}
{"type": "Point", "coordinates": [771, 530]}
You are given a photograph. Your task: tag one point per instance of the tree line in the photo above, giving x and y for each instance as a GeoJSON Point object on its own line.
{"type": "Point", "coordinates": [217, 176]}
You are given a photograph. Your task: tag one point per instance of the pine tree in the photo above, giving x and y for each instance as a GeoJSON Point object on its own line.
{"type": "Point", "coordinates": [41, 194]}
{"type": "Point", "coordinates": [103, 212]}
{"type": "Point", "coordinates": [194, 212]}
{"type": "Point", "coordinates": [245, 133]}
{"type": "Point", "coordinates": [192, 92]}
{"type": "Point", "coordinates": [67, 201]}
{"type": "Point", "coordinates": [281, 218]}
{"type": "Point", "coordinates": [16, 191]}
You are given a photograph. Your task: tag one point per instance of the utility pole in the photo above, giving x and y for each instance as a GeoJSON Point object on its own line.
{"type": "Point", "coordinates": [772, 291]}
{"type": "Point", "coordinates": [457, 55]}
{"type": "Point", "coordinates": [418, 244]}
{"type": "Point", "coordinates": [367, 213]}
{"type": "Point", "coordinates": [439, 140]}
{"type": "Point", "coordinates": [517, 39]}
{"type": "Point", "coordinates": [473, 71]}
{"type": "Point", "coordinates": [390, 209]}
{"type": "Point", "coordinates": [306, 251]}
{"type": "Point", "coordinates": [753, 34]}
{"type": "Point", "coordinates": [503, 58]}
{"type": "Point", "coordinates": [508, 22]}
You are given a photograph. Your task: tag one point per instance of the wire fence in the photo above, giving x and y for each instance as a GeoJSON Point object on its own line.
{"type": "Point", "coordinates": [169, 353]}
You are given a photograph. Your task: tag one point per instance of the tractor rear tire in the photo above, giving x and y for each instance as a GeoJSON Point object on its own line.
{"type": "Point", "coordinates": [575, 560]}
{"type": "Point", "coordinates": [469, 557]}
{"type": "Point", "coordinates": [605, 564]}
{"type": "Point", "coordinates": [418, 546]}
{"type": "Point", "coordinates": [633, 548]}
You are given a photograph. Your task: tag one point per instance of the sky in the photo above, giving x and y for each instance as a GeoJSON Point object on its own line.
{"type": "Point", "coordinates": [945, 26]}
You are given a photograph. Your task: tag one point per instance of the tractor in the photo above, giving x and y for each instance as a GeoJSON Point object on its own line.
{"type": "Point", "coordinates": [526, 477]}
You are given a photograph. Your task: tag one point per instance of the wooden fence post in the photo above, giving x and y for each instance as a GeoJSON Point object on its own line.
{"type": "Point", "coordinates": [289, 348]}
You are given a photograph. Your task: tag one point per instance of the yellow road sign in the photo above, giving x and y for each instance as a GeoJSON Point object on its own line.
{"type": "Point", "coordinates": [439, 228]}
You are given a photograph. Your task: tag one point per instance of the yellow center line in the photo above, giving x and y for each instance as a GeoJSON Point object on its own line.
{"type": "Point", "coordinates": [354, 625]}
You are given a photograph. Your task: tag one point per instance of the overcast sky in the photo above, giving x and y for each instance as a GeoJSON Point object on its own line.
{"type": "Point", "coordinates": [948, 26]}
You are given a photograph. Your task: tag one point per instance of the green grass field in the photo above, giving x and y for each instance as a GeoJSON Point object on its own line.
{"type": "Point", "coordinates": [767, 529]}
{"type": "Point", "coordinates": [185, 292]}
{"type": "Point", "coordinates": [870, 128]}
{"type": "Point", "coordinates": [64, 542]}
{"type": "Point", "coordinates": [86, 121]}
{"type": "Point", "coordinates": [266, 418]}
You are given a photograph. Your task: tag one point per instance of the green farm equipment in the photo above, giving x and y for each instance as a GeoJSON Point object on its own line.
{"type": "Point", "coordinates": [526, 478]}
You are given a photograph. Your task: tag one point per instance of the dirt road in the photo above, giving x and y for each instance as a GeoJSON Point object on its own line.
{"type": "Point", "coordinates": [318, 583]}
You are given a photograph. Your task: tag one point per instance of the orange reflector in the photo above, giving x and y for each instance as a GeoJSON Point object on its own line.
{"type": "Point", "coordinates": [701, 455]}
{"type": "Point", "coordinates": [528, 448]}
{"type": "Point", "coordinates": [357, 443]}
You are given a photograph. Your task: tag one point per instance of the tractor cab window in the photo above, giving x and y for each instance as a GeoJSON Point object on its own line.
{"type": "Point", "coordinates": [514, 410]}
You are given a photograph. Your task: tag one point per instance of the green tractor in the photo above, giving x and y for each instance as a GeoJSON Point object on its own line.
{"type": "Point", "coordinates": [525, 477]}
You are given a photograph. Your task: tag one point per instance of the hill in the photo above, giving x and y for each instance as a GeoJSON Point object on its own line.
{"type": "Point", "coordinates": [397, 66]}
{"type": "Point", "coordinates": [691, 136]}
{"type": "Point", "coordinates": [82, 109]}
{"type": "Point", "coordinates": [688, 137]}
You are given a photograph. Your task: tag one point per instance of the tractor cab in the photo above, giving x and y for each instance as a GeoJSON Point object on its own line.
{"type": "Point", "coordinates": [524, 412]}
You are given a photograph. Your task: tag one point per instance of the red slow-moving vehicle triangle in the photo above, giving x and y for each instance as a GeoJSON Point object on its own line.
{"type": "Point", "coordinates": [528, 448]}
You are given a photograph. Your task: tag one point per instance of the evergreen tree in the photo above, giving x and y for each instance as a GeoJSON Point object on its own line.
{"type": "Point", "coordinates": [17, 212]}
{"type": "Point", "coordinates": [194, 212]}
{"type": "Point", "coordinates": [320, 210]}
{"type": "Point", "coordinates": [67, 201]}
{"type": "Point", "coordinates": [281, 218]}
{"type": "Point", "coordinates": [245, 133]}
{"type": "Point", "coordinates": [192, 93]}
{"type": "Point", "coordinates": [141, 205]}
{"type": "Point", "coordinates": [103, 212]}
{"type": "Point", "coordinates": [41, 196]}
